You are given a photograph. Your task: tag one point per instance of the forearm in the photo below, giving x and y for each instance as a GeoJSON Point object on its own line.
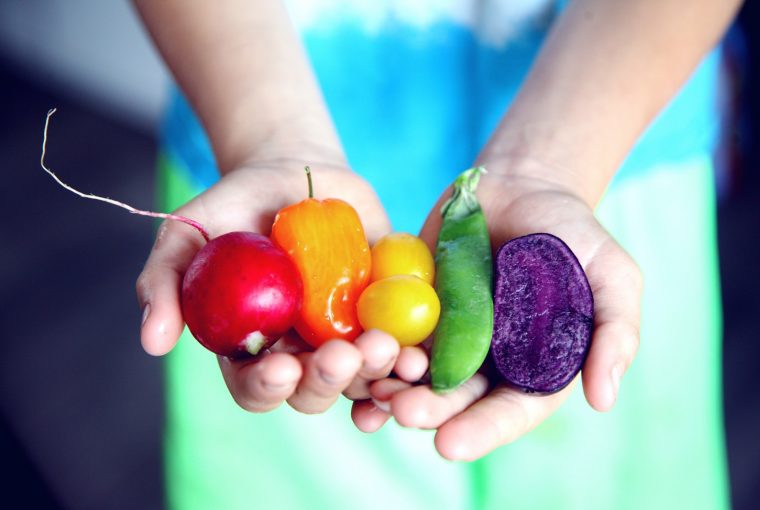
{"type": "Point", "coordinates": [243, 69]}
{"type": "Point", "coordinates": [606, 70]}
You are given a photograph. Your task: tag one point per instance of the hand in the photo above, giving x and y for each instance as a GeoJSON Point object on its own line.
{"type": "Point", "coordinates": [247, 199]}
{"type": "Point", "coordinates": [483, 414]}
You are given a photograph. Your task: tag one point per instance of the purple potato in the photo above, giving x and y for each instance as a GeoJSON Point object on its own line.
{"type": "Point", "coordinates": [543, 313]}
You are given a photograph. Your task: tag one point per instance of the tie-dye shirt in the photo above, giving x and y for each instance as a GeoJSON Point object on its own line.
{"type": "Point", "coordinates": [415, 88]}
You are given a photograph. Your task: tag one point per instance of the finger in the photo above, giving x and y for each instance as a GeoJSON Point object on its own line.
{"type": "Point", "coordinates": [327, 372]}
{"type": "Point", "coordinates": [376, 228]}
{"type": "Point", "coordinates": [374, 221]}
{"type": "Point", "coordinates": [261, 384]}
{"type": "Point", "coordinates": [412, 363]}
{"type": "Point", "coordinates": [499, 418]}
{"type": "Point", "coordinates": [383, 390]}
{"type": "Point", "coordinates": [367, 416]}
{"type": "Point", "coordinates": [616, 333]}
{"type": "Point", "coordinates": [367, 203]}
{"type": "Point", "coordinates": [420, 407]}
{"type": "Point", "coordinates": [158, 286]}
{"type": "Point", "coordinates": [432, 225]}
{"type": "Point", "coordinates": [291, 343]}
{"type": "Point", "coordinates": [379, 351]}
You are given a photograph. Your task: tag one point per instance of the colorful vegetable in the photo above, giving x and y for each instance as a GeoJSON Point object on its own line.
{"type": "Point", "coordinates": [463, 283]}
{"type": "Point", "coordinates": [240, 294]}
{"type": "Point", "coordinates": [543, 312]}
{"type": "Point", "coordinates": [402, 253]}
{"type": "Point", "coordinates": [403, 306]}
{"type": "Point", "coordinates": [325, 240]}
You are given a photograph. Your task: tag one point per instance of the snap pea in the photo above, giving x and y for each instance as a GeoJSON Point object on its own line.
{"type": "Point", "coordinates": [464, 285]}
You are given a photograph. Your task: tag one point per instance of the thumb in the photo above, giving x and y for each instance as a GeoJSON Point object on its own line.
{"type": "Point", "coordinates": [158, 286]}
{"type": "Point", "coordinates": [432, 225]}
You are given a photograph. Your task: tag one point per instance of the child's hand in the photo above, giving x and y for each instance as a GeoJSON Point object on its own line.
{"type": "Point", "coordinates": [482, 415]}
{"type": "Point", "coordinates": [247, 199]}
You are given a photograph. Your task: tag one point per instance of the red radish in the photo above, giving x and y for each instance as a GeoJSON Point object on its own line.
{"type": "Point", "coordinates": [241, 292]}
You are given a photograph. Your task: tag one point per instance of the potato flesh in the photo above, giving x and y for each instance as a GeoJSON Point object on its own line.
{"type": "Point", "coordinates": [543, 314]}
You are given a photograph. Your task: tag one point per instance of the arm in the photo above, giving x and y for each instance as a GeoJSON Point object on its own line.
{"type": "Point", "coordinates": [605, 71]}
{"type": "Point", "coordinates": [243, 69]}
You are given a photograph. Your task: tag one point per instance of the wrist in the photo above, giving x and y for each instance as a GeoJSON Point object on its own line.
{"type": "Point", "coordinates": [301, 139]}
{"type": "Point", "coordinates": [295, 152]}
{"type": "Point", "coordinates": [542, 155]}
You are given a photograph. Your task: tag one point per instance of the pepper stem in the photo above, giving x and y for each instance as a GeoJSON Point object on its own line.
{"type": "Point", "coordinates": [308, 178]}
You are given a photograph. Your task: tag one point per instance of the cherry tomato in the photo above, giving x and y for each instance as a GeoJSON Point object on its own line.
{"type": "Point", "coordinates": [403, 306]}
{"type": "Point", "coordinates": [401, 253]}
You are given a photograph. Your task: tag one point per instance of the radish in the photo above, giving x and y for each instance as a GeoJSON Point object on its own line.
{"type": "Point", "coordinates": [240, 293]}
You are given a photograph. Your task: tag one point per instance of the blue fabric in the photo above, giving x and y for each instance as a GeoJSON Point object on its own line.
{"type": "Point", "coordinates": [413, 107]}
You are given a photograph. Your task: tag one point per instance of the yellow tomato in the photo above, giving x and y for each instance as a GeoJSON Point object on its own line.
{"type": "Point", "coordinates": [403, 306]}
{"type": "Point", "coordinates": [401, 253]}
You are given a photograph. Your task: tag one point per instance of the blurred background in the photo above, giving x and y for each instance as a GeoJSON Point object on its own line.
{"type": "Point", "coordinates": [80, 403]}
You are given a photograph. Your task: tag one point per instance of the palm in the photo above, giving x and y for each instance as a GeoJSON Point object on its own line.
{"type": "Point", "coordinates": [483, 414]}
{"type": "Point", "coordinates": [248, 199]}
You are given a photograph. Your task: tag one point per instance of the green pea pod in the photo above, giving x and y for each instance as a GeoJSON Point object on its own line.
{"type": "Point", "coordinates": [464, 285]}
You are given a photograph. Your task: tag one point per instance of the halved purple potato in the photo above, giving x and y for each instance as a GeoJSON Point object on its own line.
{"type": "Point", "coordinates": [543, 313]}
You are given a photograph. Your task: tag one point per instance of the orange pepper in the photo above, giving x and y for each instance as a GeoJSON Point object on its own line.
{"type": "Point", "coordinates": [326, 241]}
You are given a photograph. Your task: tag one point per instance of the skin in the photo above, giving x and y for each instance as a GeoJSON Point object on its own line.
{"type": "Point", "coordinates": [550, 159]}
{"type": "Point", "coordinates": [242, 67]}
{"type": "Point", "coordinates": [603, 74]}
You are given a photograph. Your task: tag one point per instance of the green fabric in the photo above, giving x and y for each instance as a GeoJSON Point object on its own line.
{"type": "Point", "coordinates": [661, 447]}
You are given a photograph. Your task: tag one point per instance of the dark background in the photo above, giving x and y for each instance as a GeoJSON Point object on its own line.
{"type": "Point", "coordinates": [81, 404]}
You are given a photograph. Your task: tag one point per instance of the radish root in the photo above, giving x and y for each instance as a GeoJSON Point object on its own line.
{"type": "Point", "coordinates": [128, 207]}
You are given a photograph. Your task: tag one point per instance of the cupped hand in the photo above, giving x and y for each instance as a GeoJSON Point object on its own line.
{"type": "Point", "coordinates": [247, 199]}
{"type": "Point", "coordinates": [484, 413]}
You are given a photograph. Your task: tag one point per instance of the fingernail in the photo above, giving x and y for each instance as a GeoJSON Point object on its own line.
{"type": "Point", "coordinates": [383, 406]}
{"type": "Point", "coordinates": [615, 375]}
{"type": "Point", "coordinates": [146, 312]}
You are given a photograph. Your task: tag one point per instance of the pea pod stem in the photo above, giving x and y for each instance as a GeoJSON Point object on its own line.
{"type": "Point", "coordinates": [463, 201]}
